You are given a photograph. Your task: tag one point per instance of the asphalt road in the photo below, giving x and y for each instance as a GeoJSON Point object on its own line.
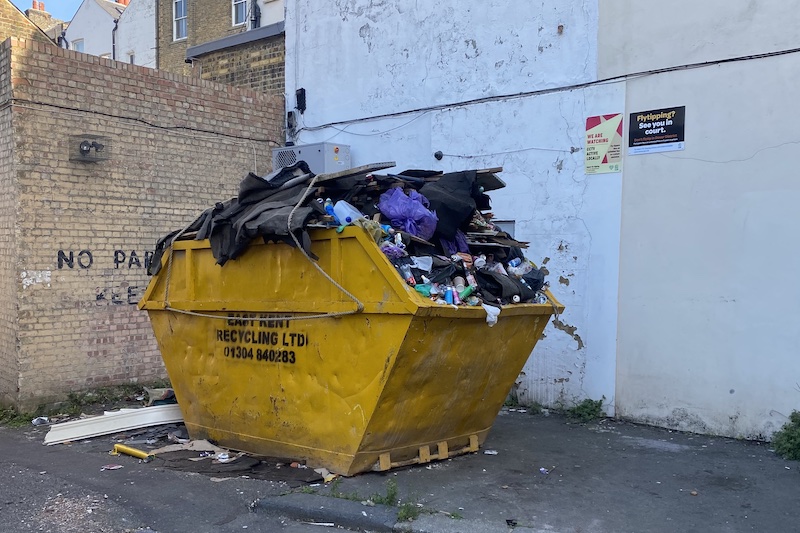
{"type": "Point", "coordinates": [601, 477]}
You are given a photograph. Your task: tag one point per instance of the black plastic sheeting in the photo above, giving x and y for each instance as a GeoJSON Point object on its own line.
{"type": "Point", "coordinates": [262, 209]}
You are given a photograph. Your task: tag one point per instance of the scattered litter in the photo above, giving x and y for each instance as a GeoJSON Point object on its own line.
{"type": "Point", "coordinates": [219, 479]}
{"type": "Point", "coordinates": [363, 513]}
{"type": "Point", "coordinates": [40, 421]}
{"type": "Point", "coordinates": [43, 472]}
{"type": "Point", "coordinates": [133, 452]}
{"type": "Point", "coordinates": [511, 522]}
{"type": "Point", "coordinates": [223, 457]}
{"type": "Point", "coordinates": [111, 467]}
{"type": "Point", "coordinates": [323, 524]}
{"type": "Point", "coordinates": [202, 446]}
{"type": "Point", "coordinates": [693, 493]}
{"type": "Point", "coordinates": [295, 464]}
{"type": "Point", "coordinates": [489, 452]}
{"type": "Point", "coordinates": [546, 412]}
{"type": "Point", "coordinates": [504, 487]}
{"type": "Point", "coordinates": [368, 503]}
{"type": "Point", "coordinates": [544, 471]}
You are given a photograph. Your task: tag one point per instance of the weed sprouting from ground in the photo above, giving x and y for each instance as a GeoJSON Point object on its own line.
{"type": "Point", "coordinates": [786, 440]}
{"type": "Point", "coordinates": [587, 410]}
{"type": "Point", "coordinates": [391, 496]}
{"type": "Point", "coordinates": [77, 401]}
{"type": "Point", "coordinates": [408, 511]}
{"type": "Point", "coordinates": [535, 408]}
{"type": "Point", "coordinates": [13, 418]}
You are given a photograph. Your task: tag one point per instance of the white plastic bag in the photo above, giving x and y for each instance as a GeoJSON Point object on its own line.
{"type": "Point", "coordinates": [491, 314]}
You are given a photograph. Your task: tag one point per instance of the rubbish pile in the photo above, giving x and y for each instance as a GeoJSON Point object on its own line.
{"type": "Point", "coordinates": [435, 228]}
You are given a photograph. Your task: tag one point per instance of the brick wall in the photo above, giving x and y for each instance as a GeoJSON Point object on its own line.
{"type": "Point", "coordinates": [9, 369]}
{"type": "Point", "coordinates": [207, 20]}
{"type": "Point", "coordinates": [14, 24]}
{"type": "Point", "coordinates": [258, 65]}
{"type": "Point", "coordinates": [171, 54]}
{"type": "Point", "coordinates": [85, 228]}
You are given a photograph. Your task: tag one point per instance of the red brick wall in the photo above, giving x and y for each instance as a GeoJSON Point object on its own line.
{"type": "Point", "coordinates": [175, 145]}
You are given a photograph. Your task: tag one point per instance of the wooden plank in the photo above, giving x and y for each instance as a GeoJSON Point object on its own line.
{"type": "Point", "coordinates": [489, 182]}
{"type": "Point", "coordinates": [350, 172]}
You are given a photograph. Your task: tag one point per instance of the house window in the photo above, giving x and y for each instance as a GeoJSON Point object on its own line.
{"type": "Point", "coordinates": [239, 12]}
{"type": "Point", "coordinates": [77, 45]}
{"type": "Point", "coordinates": [179, 19]}
{"type": "Point", "coordinates": [131, 59]}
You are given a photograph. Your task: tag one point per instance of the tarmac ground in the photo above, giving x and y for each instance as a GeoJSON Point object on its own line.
{"type": "Point", "coordinates": [547, 475]}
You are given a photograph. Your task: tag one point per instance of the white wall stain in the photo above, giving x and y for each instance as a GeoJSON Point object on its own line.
{"type": "Point", "coordinates": [34, 277]}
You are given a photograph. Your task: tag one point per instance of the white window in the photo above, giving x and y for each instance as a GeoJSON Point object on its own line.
{"type": "Point", "coordinates": [239, 12]}
{"type": "Point", "coordinates": [179, 20]}
{"type": "Point", "coordinates": [77, 45]}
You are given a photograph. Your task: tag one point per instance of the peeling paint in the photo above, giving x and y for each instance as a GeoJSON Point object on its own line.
{"type": "Point", "coordinates": [564, 281]}
{"type": "Point", "coordinates": [569, 330]}
{"type": "Point", "coordinates": [545, 260]}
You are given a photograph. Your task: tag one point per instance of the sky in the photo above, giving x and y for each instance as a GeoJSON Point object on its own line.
{"type": "Point", "coordinates": [60, 9]}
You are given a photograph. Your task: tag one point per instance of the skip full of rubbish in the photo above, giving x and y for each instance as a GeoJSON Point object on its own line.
{"type": "Point", "coordinates": [436, 228]}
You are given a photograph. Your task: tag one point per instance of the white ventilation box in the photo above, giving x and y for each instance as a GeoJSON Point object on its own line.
{"type": "Point", "coordinates": [322, 158]}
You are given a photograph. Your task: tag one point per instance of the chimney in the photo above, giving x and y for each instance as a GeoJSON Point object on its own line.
{"type": "Point", "coordinates": [36, 5]}
{"type": "Point", "coordinates": [41, 6]}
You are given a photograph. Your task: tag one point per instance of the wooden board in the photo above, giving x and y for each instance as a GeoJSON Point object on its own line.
{"type": "Point", "coordinates": [350, 172]}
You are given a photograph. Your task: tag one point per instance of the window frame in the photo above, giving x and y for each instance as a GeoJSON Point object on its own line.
{"type": "Point", "coordinates": [176, 20]}
{"type": "Point", "coordinates": [234, 3]}
{"type": "Point", "coordinates": [75, 44]}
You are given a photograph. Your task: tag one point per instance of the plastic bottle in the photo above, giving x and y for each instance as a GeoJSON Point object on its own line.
{"type": "Point", "coordinates": [346, 213]}
{"type": "Point", "coordinates": [329, 209]}
{"type": "Point", "coordinates": [407, 274]}
{"type": "Point", "coordinates": [480, 262]}
{"type": "Point", "coordinates": [515, 262]}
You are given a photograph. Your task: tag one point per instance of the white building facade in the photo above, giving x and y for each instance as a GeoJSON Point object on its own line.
{"type": "Point", "coordinates": [91, 30]}
{"type": "Point", "coordinates": [136, 34]}
{"type": "Point", "coordinates": [656, 264]}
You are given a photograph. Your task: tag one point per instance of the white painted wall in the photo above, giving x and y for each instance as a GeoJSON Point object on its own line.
{"type": "Point", "coordinates": [271, 11]}
{"type": "Point", "coordinates": [136, 33]}
{"type": "Point", "coordinates": [637, 36]}
{"type": "Point", "coordinates": [709, 298]}
{"type": "Point", "coordinates": [92, 24]}
{"type": "Point", "coordinates": [361, 58]}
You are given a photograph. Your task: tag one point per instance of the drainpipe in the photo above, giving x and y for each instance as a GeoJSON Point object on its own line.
{"type": "Point", "coordinates": [114, 40]}
{"type": "Point", "coordinates": [255, 15]}
{"type": "Point", "coordinates": [62, 40]}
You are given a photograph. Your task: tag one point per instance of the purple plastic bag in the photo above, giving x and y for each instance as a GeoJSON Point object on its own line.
{"type": "Point", "coordinates": [410, 213]}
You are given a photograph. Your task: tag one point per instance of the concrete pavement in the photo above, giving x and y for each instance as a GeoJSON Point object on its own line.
{"type": "Point", "coordinates": [601, 477]}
